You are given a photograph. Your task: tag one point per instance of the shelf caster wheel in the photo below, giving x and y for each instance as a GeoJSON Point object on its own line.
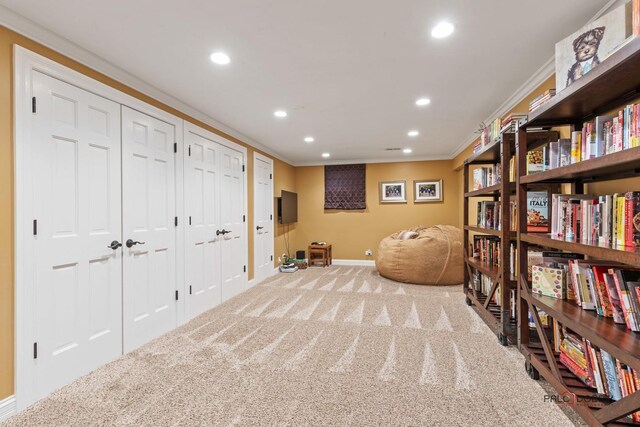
{"type": "Point", "coordinates": [504, 340]}
{"type": "Point", "coordinates": [468, 301]}
{"type": "Point", "coordinates": [531, 371]}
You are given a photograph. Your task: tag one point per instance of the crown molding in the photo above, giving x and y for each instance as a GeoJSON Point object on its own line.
{"type": "Point", "coordinates": [53, 41]}
{"type": "Point", "coordinates": [542, 74]}
{"type": "Point", "coordinates": [404, 159]}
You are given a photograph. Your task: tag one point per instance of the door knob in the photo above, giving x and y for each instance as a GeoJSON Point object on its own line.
{"type": "Point", "coordinates": [131, 243]}
{"type": "Point", "coordinates": [259, 228]}
{"type": "Point", "coordinates": [223, 232]}
{"type": "Point", "coordinates": [114, 245]}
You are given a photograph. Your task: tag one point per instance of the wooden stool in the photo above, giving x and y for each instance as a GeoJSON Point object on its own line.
{"type": "Point", "coordinates": [320, 253]}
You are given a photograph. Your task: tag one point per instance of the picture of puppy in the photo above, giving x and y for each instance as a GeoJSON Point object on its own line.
{"type": "Point", "coordinates": [585, 47]}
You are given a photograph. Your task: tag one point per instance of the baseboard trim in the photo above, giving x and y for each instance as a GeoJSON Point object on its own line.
{"type": "Point", "coordinates": [7, 408]}
{"type": "Point", "coordinates": [365, 262]}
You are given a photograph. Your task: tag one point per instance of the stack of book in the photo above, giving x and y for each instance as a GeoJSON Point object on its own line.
{"type": "Point", "coordinates": [610, 290]}
{"type": "Point", "coordinates": [559, 154]}
{"type": "Point", "coordinates": [477, 146]}
{"type": "Point", "coordinates": [597, 369]}
{"type": "Point", "coordinates": [510, 121]}
{"type": "Point", "coordinates": [610, 220]}
{"type": "Point", "coordinates": [541, 99]}
{"type": "Point", "coordinates": [573, 355]}
{"type": "Point", "coordinates": [489, 215]}
{"type": "Point", "coordinates": [487, 249]}
{"type": "Point", "coordinates": [491, 132]}
{"type": "Point", "coordinates": [484, 177]}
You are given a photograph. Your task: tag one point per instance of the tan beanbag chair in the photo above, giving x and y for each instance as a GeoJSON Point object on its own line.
{"type": "Point", "coordinates": [432, 257]}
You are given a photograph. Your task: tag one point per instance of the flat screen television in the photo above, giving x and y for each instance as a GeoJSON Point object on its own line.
{"type": "Point", "coordinates": [288, 207]}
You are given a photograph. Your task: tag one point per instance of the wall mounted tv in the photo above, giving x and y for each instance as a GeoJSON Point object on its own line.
{"type": "Point", "coordinates": [288, 207]}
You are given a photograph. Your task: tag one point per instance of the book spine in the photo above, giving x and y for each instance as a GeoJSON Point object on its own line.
{"type": "Point", "coordinates": [628, 219]}
{"type": "Point", "coordinates": [576, 147]}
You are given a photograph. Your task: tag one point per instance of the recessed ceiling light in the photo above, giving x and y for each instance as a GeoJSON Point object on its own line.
{"type": "Point", "coordinates": [326, 155]}
{"type": "Point", "coordinates": [407, 150]}
{"type": "Point", "coordinates": [309, 139]}
{"type": "Point", "coordinates": [423, 101]}
{"type": "Point", "coordinates": [413, 133]}
{"type": "Point", "coordinates": [220, 58]}
{"type": "Point", "coordinates": [442, 30]}
{"type": "Point", "coordinates": [280, 113]}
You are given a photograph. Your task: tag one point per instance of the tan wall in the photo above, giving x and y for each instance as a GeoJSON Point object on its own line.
{"type": "Point", "coordinates": [284, 179]}
{"type": "Point", "coordinates": [7, 39]}
{"type": "Point", "coordinates": [352, 232]}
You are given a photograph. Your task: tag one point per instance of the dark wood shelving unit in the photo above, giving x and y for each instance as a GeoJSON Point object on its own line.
{"type": "Point", "coordinates": [611, 85]}
{"type": "Point", "coordinates": [496, 316]}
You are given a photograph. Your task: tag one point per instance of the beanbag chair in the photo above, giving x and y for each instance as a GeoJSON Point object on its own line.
{"type": "Point", "coordinates": [424, 256]}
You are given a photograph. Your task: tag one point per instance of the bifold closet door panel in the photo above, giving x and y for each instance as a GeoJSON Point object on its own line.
{"type": "Point", "coordinates": [74, 161]}
{"type": "Point", "coordinates": [149, 232]}
{"type": "Point", "coordinates": [232, 210]}
{"type": "Point", "coordinates": [202, 205]}
{"type": "Point", "coordinates": [263, 219]}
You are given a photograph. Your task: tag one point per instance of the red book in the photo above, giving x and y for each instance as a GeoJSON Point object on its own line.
{"type": "Point", "coordinates": [598, 272]}
{"type": "Point", "coordinates": [577, 370]}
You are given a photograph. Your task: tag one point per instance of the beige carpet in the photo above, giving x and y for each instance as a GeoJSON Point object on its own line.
{"type": "Point", "coordinates": [334, 346]}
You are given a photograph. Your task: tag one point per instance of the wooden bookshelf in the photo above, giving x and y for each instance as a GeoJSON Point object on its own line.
{"type": "Point", "coordinates": [610, 85]}
{"type": "Point", "coordinates": [496, 316]}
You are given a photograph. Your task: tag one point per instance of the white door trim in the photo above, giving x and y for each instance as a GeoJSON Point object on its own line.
{"type": "Point", "coordinates": [25, 63]}
{"type": "Point", "coordinates": [190, 127]}
{"type": "Point", "coordinates": [258, 156]}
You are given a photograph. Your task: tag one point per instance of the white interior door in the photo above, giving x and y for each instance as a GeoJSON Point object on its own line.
{"type": "Point", "coordinates": [202, 199]}
{"type": "Point", "coordinates": [232, 218]}
{"type": "Point", "coordinates": [263, 217]}
{"type": "Point", "coordinates": [149, 210]}
{"type": "Point", "coordinates": [74, 161]}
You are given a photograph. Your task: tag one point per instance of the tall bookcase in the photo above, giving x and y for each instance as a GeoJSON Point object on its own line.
{"type": "Point", "coordinates": [610, 85]}
{"type": "Point", "coordinates": [496, 315]}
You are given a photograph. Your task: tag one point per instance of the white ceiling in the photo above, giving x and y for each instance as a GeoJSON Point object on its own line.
{"type": "Point", "coordinates": [348, 72]}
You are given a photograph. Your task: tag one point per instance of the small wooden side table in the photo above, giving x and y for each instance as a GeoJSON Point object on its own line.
{"type": "Point", "coordinates": [320, 253]}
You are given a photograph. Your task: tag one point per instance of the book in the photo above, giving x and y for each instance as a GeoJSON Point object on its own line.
{"type": "Point", "coordinates": [611, 375]}
{"type": "Point", "coordinates": [537, 211]}
{"type": "Point", "coordinates": [548, 281]}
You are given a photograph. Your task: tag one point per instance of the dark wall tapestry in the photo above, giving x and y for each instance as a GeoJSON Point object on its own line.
{"type": "Point", "coordinates": [345, 187]}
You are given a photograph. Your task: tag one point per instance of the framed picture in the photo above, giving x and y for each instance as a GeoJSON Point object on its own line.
{"type": "Point", "coordinates": [393, 192]}
{"type": "Point", "coordinates": [427, 190]}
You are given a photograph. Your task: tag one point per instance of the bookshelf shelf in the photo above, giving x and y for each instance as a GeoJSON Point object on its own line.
{"type": "Point", "coordinates": [622, 343]}
{"type": "Point", "coordinates": [481, 230]}
{"type": "Point", "coordinates": [490, 270]}
{"type": "Point", "coordinates": [491, 191]}
{"type": "Point", "coordinates": [614, 83]}
{"type": "Point", "coordinates": [623, 254]}
{"type": "Point", "coordinates": [610, 84]}
{"type": "Point", "coordinates": [617, 165]}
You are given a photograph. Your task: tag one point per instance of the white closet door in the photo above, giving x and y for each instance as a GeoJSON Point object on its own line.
{"type": "Point", "coordinates": [149, 209]}
{"type": "Point", "coordinates": [202, 199]}
{"type": "Point", "coordinates": [263, 217]}
{"type": "Point", "coordinates": [232, 208]}
{"type": "Point", "coordinates": [75, 164]}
